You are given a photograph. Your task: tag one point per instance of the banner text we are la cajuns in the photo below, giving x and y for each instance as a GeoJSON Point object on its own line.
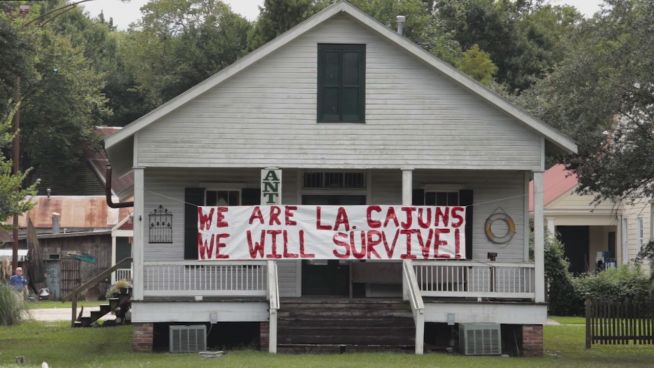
{"type": "Point", "coordinates": [331, 232]}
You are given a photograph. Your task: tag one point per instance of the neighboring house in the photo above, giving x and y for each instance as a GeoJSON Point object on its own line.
{"type": "Point", "coordinates": [353, 114]}
{"type": "Point", "coordinates": [74, 235]}
{"type": "Point", "coordinates": [590, 231]}
{"type": "Point", "coordinates": [80, 233]}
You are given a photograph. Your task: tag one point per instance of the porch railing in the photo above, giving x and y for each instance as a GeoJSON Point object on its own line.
{"type": "Point", "coordinates": [123, 274]}
{"type": "Point", "coordinates": [473, 279]}
{"type": "Point", "coordinates": [413, 294]}
{"type": "Point", "coordinates": [194, 278]}
{"type": "Point", "coordinates": [273, 297]}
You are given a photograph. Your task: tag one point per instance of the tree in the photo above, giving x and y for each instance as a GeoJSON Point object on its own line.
{"type": "Point", "coordinates": [478, 64]}
{"type": "Point", "coordinates": [523, 38]}
{"type": "Point", "coordinates": [179, 43]}
{"type": "Point", "coordinates": [603, 96]}
{"type": "Point", "coordinates": [14, 198]}
{"type": "Point", "coordinates": [278, 16]}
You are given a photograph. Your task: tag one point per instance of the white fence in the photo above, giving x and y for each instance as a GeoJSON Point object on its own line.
{"type": "Point", "coordinates": [124, 274]}
{"type": "Point", "coordinates": [192, 278]}
{"type": "Point", "coordinates": [475, 279]}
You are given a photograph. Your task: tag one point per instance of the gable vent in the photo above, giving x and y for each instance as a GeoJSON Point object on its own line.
{"type": "Point", "coordinates": [188, 339]}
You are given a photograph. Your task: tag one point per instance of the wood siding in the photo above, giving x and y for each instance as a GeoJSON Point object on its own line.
{"type": "Point", "coordinates": [266, 116]}
{"type": "Point", "coordinates": [492, 190]}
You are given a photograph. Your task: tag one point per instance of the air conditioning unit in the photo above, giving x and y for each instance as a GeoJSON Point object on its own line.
{"type": "Point", "coordinates": [480, 339]}
{"type": "Point", "coordinates": [188, 339]}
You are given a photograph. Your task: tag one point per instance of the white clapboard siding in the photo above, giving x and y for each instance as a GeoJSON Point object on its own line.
{"type": "Point", "coordinates": [266, 116]}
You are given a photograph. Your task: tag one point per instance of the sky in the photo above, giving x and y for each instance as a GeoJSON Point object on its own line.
{"type": "Point", "coordinates": [126, 12]}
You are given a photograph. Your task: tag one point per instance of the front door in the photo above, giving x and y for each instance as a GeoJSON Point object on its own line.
{"type": "Point", "coordinates": [328, 278]}
{"type": "Point", "coordinates": [575, 240]}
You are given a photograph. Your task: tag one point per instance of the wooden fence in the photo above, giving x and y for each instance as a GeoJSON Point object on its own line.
{"type": "Point", "coordinates": [619, 322]}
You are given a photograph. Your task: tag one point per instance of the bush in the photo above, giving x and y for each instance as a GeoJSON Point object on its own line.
{"type": "Point", "coordinates": [115, 288]}
{"type": "Point", "coordinates": [12, 306]}
{"type": "Point", "coordinates": [563, 299]}
{"type": "Point", "coordinates": [615, 284]}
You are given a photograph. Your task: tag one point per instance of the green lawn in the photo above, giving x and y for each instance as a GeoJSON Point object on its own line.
{"type": "Point", "coordinates": [569, 320]}
{"type": "Point", "coordinates": [62, 346]}
{"type": "Point", "coordinates": [57, 304]}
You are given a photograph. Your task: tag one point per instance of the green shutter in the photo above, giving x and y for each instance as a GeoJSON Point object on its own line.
{"type": "Point", "coordinates": [341, 83]}
{"type": "Point", "coordinates": [193, 197]}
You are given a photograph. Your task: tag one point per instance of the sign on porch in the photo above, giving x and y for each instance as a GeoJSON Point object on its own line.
{"type": "Point", "coordinates": [271, 186]}
{"type": "Point", "coordinates": [331, 232]}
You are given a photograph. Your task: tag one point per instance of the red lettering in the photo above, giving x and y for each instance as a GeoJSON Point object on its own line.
{"type": "Point", "coordinates": [273, 248]}
{"type": "Point", "coordinates": [289, 212]}
{"type": "Point", "coordinates": [424, 223]}
{"type": "Point", "coordinates": [441, 219]}
{"type": "Point", "coordinates": [372, 223]}
{"type": "Point", "coordinates": [287, 254]}
{"type": "Point", "coordinates": [341, 243]}
{"type": "Point", "coordinates": [409, 217]}
{"type": "Point", "coordinates": [374, 238]}
{"type": "Point", "coordinates": [205, 220]}
{"type": "Point", "coordinates": [320, 226]}
{"type": "Point", "coordinates": [425, 246]}
{"type": "Point", "coordinates": [390, 250]}
{"type": "Point", "coordinates": [255, 247]}
{"type": "Point", "coordinates": [358, 254]}
{"type": "Point", "coordinates": [205, 249]}
{"type": "Point", "coordinates": [341, 219]}
{"type": "Point", "coordinates": [458, 216]}
{"type": "Point", "coordinates": [391, 216]}
{"type": "Point", "coordinates": [438, 243]}
{"type": "Point", "coordinates": [457, 243]}
{"type": "Point", "coordinates": [256, 214]}
{"type": "Point", "coordinates": [275, 211]}
{"type": "Point", "coordinates": [302, 253]}
{"type": "Point", "coordinates": [221, 217]}
{"type": "Point", "coordinates": [408, 234]}
{"type": "Point", "coordinates": [220, 245]}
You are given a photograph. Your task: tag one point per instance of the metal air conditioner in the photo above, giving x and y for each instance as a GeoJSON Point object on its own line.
{"type": "Point", "coordinates": [480, 339]}
{"type": "Point", "coordinates": [188, 339]}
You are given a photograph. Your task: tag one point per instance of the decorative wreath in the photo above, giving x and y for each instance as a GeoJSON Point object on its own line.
{"type": "Point", "coordinates": [500, 215]}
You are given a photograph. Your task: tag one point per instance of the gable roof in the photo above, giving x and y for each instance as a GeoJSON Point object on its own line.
{"type": "Point", "coordinates": [557, 181]}
{"type": "Point", "coordinates": [550, 133]}
{"type": "Point", "coordinates": [98, 159]}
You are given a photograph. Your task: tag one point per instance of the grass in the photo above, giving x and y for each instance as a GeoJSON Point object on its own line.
{"type": "Point", "coordinates": [569, 320]}
{"type": "Point", "coordinates": [62, 346]}
{"type": "Point", "coordinates": [49, 304]}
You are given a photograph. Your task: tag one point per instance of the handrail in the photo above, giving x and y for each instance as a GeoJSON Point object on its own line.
{"type": "Point", "coordinates": [97, 278]}
{"type": "Point", "coordinates": [417, 305]}
{"type": "Point", "coordinates": [206, 263]}
{"type": "Point", "coordinates": [92, 282]}
{"type": "Point", "coordinates": [273, 296]}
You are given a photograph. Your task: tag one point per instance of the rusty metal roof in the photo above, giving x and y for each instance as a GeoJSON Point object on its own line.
{"type": "Point", "coordinates": [89, 212]}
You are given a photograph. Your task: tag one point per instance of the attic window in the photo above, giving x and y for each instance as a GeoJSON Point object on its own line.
{"type": "Point", "coordinates": [341, 83]}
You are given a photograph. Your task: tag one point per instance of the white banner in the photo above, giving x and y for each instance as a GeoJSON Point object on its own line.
{"type": "Point", "coordinates": [331, 232]}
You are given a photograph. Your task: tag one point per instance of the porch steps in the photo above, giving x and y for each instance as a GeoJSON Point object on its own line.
{"type": "Point", "coordinates": [344, 325]}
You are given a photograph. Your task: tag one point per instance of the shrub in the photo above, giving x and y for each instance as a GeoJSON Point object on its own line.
{"type": "Point", "coordinates": [115, 288]}
{"type": "Point", "coordinates": [12, 306]}
{"type": "Point", "coordinates": [615, 284]}
{"type": "Point", "coordinates": [562, 296]}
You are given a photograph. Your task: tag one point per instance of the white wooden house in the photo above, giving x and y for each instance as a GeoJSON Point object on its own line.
{"type": "Point", "coordinates": [397, 127]}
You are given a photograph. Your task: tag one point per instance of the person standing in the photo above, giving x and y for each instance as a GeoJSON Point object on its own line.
{"type": "Point", "coordinates": [18, 282]}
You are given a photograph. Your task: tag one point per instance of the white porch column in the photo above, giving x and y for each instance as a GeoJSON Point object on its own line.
{"type": "Point", "coordinates": [113, 257]}
{"type": "Point", "coordinates": [539, 238]}
{"type": "Point", "coordinates": [407, 187]}
{"type": "Point", "coordinates": [551, 226]}
{"type": "Point", "coordinates": [407, 200]}
{"type": "Point", "coordinates": [139, 232]}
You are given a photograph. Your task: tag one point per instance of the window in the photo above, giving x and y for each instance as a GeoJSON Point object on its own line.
{"type": "Point", "coordinates": [221, 198]}
{"type": "Point", "coordinates": [442, 198]}
{"type": "Point", "coordinates": [341, 83]}
{"type": "Point", "coordinates": [334, 180]}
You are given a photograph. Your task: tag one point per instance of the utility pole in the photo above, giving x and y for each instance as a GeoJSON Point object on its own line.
{"type": "Point", "coordinates": [16, 168]}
